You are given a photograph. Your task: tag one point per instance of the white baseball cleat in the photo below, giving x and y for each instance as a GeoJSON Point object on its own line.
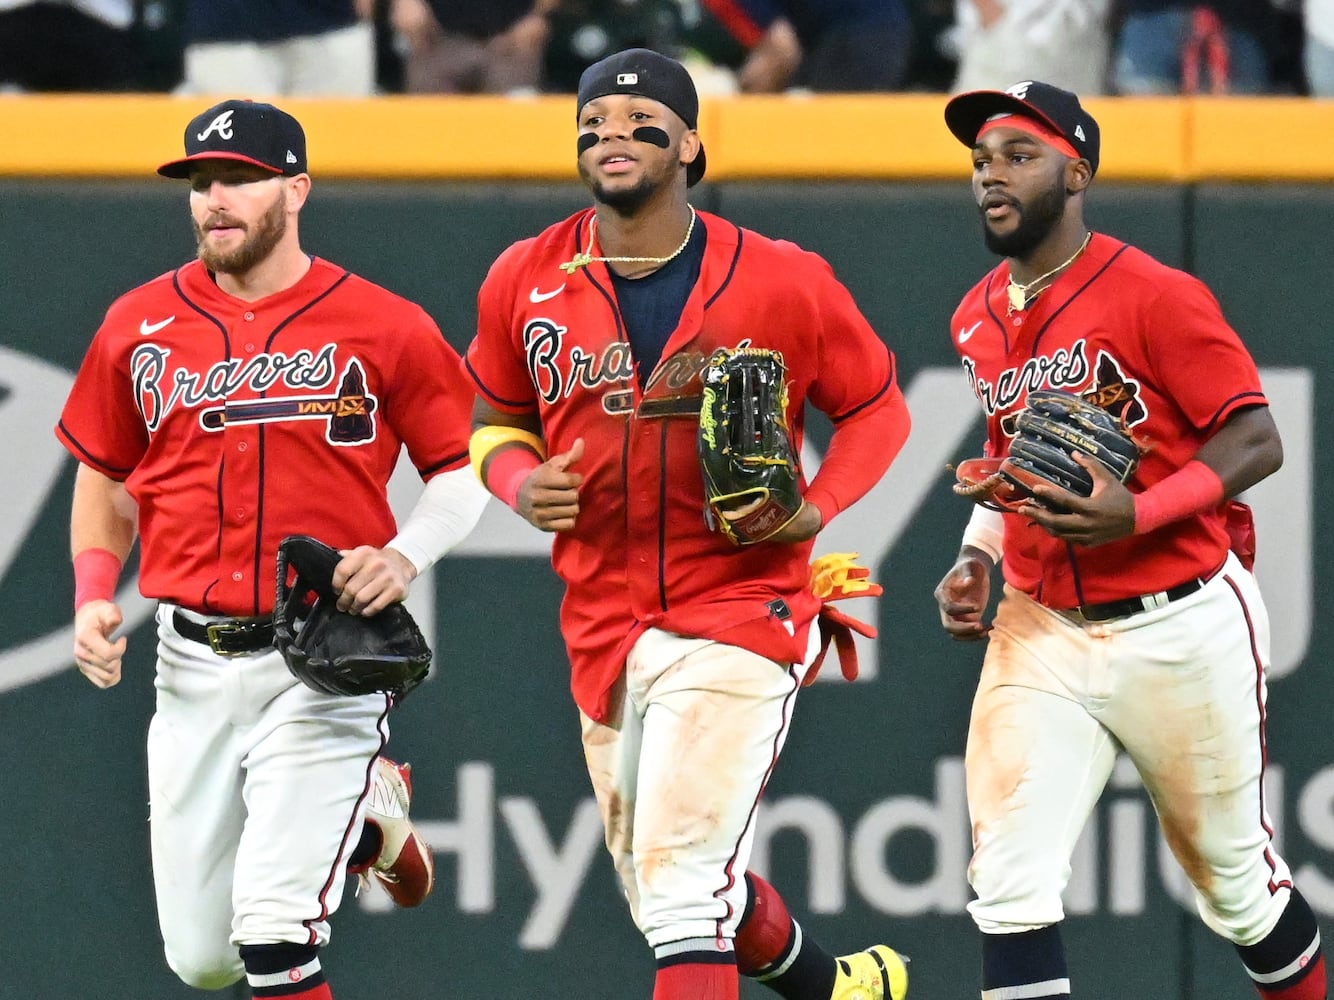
{"type": "Point", "coordinates": [404, 866]}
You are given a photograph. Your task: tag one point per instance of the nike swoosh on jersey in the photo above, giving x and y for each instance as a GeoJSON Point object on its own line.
{"type": "Point", "coordinates": [145, 328]}
{"type": "Point", "coordinates": [965, 334]}
{"type": "Point", "coordinates": [536, 296]}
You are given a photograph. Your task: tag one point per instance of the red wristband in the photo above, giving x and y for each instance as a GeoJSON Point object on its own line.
{"type": "Point", "coordinates": [1192, 488]}
{"type": "Point", "coordinates": [506, 471]}
{"type": "Point", "coordinates": [95, 574]}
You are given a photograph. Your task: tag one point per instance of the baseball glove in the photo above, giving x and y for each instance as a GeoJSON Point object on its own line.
{"type": "Point", "coordinates": [752, 483]}
{"type": "Point", "coordinates": [334, 651]}
{"type": "Point", "coordinates": [1052, 428]}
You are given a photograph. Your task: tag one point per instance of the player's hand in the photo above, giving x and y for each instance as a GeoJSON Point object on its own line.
{"type": "Point", "coordinates": [549, 497]}
{"type": "Point", "coordinates": [804, 526]}
{"type": "Point", "coordinates": [1104, 516]}
{"type": "Point", "coordinates": [368, 579]}
{"type": "Point", "coordinates": [962, 596]}
{"type": "Point", "coordinates": [96, 655]}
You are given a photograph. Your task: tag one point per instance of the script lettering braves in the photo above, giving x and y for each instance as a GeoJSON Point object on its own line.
{"type": "Point", "coordinates": [158, 389]}
{"type": "Point", "coordinates": [1064, 367]}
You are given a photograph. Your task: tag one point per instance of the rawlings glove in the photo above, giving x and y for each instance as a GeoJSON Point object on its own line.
{"type": "Point", "coordinates": [751, 480]}
{"type": "Point", "coordinates": [1050, 430]}
{"type": "Point", "coordinates": [333, 651]}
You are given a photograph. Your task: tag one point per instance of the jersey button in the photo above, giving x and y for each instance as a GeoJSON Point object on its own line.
{"type": "Point", "coordinates": [238, 576]}
{"type": "Point", "coordinates": [250, 348]}
{"type": "Point", "coordinates": [241, 446]}
{"type": "Point", "coordinates": [249, 317]}
{"type": "Point", "coordinates": [239, 514]}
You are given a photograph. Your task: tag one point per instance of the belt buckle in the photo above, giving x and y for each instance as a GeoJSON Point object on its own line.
{"type": "Point", "coordinates": [217, 631]}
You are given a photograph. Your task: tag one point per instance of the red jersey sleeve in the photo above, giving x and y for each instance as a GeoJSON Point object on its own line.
{"type": "Point", "coordinates": [495, 359]}
{"type": "Point", "coordinates": [857, 388]}
{"type": "Point", "coordinates": [432, 397]}
{"type": "Point", "coordinates": [100, 423]}
{"type": "Point", "coordinates": [1199, 360]}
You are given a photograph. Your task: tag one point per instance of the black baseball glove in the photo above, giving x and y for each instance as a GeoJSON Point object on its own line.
{"type": "Point", "coordinates": [752, 484]}
{"type": "Point", "coordinates": [333, 651]}
{"type": "Point", "coordinates": [1052, 428]}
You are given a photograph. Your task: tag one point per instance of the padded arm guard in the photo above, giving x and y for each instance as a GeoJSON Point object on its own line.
{"type": "Point", "coordinates": [751, 478]}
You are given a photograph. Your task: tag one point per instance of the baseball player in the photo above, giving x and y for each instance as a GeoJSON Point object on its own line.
{"type": "Point", "coordinates": [1129, 620]}
{"type": "Point", "coordinates": [254, 393]}
{"type": "Point", "coordinates": [686, 650]}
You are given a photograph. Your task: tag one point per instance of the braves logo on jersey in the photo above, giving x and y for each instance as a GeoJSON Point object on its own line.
{"type": "Point", "coordinates": [673, 389]}
{"type": "Point", "coordinates": [349, 412]}
{"type": "Point", "coordinates": [1065, 368]}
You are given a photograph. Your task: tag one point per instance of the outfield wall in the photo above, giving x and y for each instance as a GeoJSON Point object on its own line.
{"type": "Point", "coordinates": [865, 827]}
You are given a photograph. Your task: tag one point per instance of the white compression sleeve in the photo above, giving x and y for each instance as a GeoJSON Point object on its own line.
{"type": "Point", "coordinates": [449, 508]}
{"type": "Point", "coordinates": [986, 531]}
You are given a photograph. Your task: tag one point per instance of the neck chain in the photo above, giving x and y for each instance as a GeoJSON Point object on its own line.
{"type": "Point", "coordinates": [585, 258]}
{"type": "Point", "coordinates": [1018, 294]}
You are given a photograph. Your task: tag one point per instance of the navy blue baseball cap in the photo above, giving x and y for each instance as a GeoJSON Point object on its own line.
{"type": "Point", "coordinates": [1058, 109]}
{"type": "Point", "coordinates": [647, 74]}
{"type": "Point", "coordinates": [244, 131]}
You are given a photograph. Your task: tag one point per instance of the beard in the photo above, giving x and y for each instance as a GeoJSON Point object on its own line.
{"type": "Point", "coordinates": [626, 201]}
{"type": "Point", "coordinates": [257, 243]}
{"type": "Point", "coordinates": [1036, 221]}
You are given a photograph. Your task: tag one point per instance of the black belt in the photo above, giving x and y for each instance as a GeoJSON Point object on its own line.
{"type": "Point", "coordinates": [227, 636]}
{"type": "Point", "coordinates": [1134, 605]}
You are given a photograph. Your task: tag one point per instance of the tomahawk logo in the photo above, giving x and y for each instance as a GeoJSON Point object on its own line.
{"type": "Point", "coordinates": [222, 125]}
{"type": "Point", "coordinates": [1020, 90]}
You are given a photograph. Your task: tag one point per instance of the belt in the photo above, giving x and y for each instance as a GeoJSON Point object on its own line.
{"type": "Point", "coordinates": [1134, 605]}
{"type": "Point", "coordinates": [229, 636]}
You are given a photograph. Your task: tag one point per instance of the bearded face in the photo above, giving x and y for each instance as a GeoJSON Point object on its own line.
{"type": "Point", "coordinates": [228, 244]}
{"type": "Point", "coordinates": [1037, 215]}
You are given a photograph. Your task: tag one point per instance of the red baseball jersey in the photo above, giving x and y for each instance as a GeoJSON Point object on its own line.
{"type": "Point", "coordinates": [1145, 341]}
{"type": "Point", "coordinates": [234, 424]}
{"type": "Point", "coordinates": [641, 555]}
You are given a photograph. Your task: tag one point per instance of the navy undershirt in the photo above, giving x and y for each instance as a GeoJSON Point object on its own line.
{"type": "Point", "coordinates": [651, 306]}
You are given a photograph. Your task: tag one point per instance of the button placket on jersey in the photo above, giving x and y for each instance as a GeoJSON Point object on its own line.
{"type": "Point", "coordinates": [239, 482]}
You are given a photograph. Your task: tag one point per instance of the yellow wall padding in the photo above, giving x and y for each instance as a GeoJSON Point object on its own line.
{"type": "Point", "coordinates": [875, 137]}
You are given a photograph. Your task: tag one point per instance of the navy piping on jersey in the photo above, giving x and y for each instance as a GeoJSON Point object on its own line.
{"type": "Point", "coordinates": [257, 565]}
{"type": "Point", "coordinates": [861, 406]}
{"type": "Point", "coordinates": [92, 460]}
{"type": "Point", "coordinates": [662, 516]}
{"type": "Point", "coordinates": [447, 460]}
{"type": "Point", "coordinates": [1078, 292]}
{"type": "Point", "coordinates": [731, 268]}
{"type": "Point", "coordinates": [1229, 408]}
{"type": "Point", "coordinates": [513, 404]}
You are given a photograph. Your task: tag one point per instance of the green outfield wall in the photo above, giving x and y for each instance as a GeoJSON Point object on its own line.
{"type": "Point", "coordinates": [864, 828]}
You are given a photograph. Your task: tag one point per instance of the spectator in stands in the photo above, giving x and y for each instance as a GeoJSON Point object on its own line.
{"type": "Point", "coordinates": [1318, 17]}
{"type": "Point", "coordinates": [67, 45]}
{"type": "Point", "coordinates": [1062, 42]}
{"type": "Point", "coordinates": [472, 48]}
{"type": "Point", "coordinates": [821, 45]}
{"type": "Point", "coordinates": [269, 48]}
{"type": "Point", "coordinates": [585, 31]}
{"type": "Point", "coordinates": [1170, 47]}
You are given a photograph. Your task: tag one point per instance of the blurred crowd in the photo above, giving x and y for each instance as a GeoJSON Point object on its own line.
{"type": "Point", "coordinates": [269, 48]}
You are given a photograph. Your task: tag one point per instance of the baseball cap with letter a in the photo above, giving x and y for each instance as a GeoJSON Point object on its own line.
{"type": "Point", "coordinates": [244, 131]}
{"type": "Point", "coordinates": [1057, 109]}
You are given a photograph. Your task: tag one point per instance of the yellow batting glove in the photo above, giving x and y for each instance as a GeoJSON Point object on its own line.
{"type": "Point", "coordinates": [837, 575]}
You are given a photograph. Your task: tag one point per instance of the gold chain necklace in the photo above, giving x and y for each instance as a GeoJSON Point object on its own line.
{"type": "Point", "coordinates": [1018, 294]}
{"type": "Point", "coordinates": [583, 259]}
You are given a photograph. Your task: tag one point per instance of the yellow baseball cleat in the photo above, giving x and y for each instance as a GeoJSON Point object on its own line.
{"type": "Point", "coordinates": [878, 973]}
